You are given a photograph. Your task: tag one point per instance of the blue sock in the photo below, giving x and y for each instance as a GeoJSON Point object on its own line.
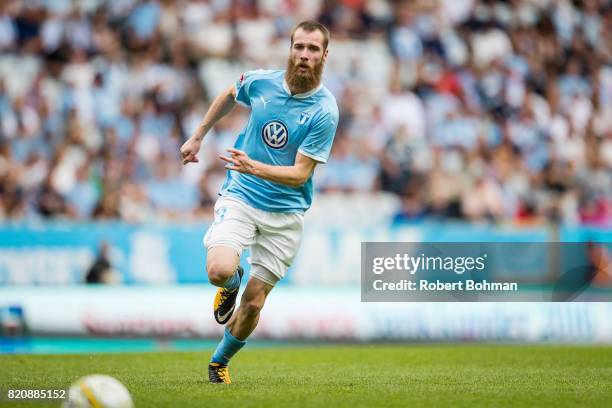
{"type": "Point", "coordinates": [233, 282]}
{"type": "Point", "coordinates": [228, 346]}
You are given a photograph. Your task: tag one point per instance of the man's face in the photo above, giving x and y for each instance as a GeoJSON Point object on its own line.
{"type": "Point", "coordinates": [306, 60]}
{"type": "Point", "coordinates": [307, 50]}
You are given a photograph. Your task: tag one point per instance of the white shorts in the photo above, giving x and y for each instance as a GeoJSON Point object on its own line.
{"type": "Point", "coordinates": [274, 238]}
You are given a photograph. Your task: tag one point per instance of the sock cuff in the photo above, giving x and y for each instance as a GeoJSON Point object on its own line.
{"type": "Point", "coordinates": [228, 346]}
{"type": "Point", "coordinates": [230, 337]}
{"type": "Point", "coordinates": [233, 282]}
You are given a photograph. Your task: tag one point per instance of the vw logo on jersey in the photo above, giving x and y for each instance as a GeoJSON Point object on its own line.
{"type": "Point", "coordinates": [275, 134]}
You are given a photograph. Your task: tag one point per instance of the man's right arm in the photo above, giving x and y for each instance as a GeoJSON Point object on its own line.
{"type": "Point", "coordinates": [221, 106]}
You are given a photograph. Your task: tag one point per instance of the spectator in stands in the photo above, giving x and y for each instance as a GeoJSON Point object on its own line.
{"type": "Point", "coordinates": [101, 270]}
{"type": "Point", "coordinates": [475, 110]}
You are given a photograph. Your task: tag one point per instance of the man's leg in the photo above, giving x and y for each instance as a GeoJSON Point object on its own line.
{"type": "Point", "coordinates": [276, 243]}
{"type": "Point", "coordinates": [223, 271]}
{"type": "Point", "coordinates": [238, 329]}
{"type": "Point", "coordinates": [232, 230]}
{"type": "Point", "coordinates": [245, 320]}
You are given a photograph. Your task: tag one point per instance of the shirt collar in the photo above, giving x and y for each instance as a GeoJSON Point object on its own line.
{"type": "Point", "coordinates": [302, 95]}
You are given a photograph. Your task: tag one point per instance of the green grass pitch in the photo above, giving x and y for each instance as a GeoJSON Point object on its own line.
{"type": "Point", "coordinates": [341, 376]}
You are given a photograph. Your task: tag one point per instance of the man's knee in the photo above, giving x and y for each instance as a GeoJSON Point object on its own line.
{"type": "Point", "coordinates": [221, 264]}
{"type": "Point", "coordinates": [219, 271]}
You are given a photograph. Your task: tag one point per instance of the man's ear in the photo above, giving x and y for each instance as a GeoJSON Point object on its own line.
{"type": "Point", "coordinates": [325, 54]}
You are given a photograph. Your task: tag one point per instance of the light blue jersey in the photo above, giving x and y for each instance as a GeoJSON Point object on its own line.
{"type": "Point", "coordinates": [280, 125]}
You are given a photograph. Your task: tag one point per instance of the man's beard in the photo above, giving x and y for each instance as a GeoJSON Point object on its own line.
{"type": "Point", "coordinates": [303, 82]}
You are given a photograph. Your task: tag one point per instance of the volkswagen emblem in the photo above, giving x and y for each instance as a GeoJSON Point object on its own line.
{"type": "Point", "coordinates": [275, 134]}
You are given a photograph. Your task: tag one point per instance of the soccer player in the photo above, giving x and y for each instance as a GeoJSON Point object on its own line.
{"type": "Point", "coordinates": [268, 188]}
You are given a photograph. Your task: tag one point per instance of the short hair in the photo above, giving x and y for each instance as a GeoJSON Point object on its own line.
{"type": "Point", "coordinates": [310, 26]}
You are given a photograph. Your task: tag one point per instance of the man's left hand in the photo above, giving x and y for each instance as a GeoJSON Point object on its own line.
{"type": "Point", "coordinates": [239, 161]}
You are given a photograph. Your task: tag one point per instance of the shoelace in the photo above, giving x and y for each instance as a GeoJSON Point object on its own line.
{"type": "Point", "coordinates": [222, 372]}
{"type": "Point", "coordinates": [225, 293]}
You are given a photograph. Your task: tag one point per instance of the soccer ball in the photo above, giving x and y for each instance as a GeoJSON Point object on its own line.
{"type": "Point", "coordinates": [98, 390]}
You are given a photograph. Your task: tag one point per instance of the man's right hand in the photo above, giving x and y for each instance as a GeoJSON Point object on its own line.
{"type": "Point", "coordinates": [189, 151]}
{"type": "Point", "coordinates": [220, 107]}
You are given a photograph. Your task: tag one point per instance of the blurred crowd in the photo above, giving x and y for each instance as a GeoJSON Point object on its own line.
{"type": "Point", "coordinates": [465, 109]}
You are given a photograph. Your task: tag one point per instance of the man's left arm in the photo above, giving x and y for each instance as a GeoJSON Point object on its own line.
{"type": "Point", "coordinates": [315, 148]}
{"type": "Point", "coordinates": [292, 176]}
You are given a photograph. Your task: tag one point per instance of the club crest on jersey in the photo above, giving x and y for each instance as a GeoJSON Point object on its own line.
{"type": "Point", "coordinates": [303, 118]}
{"type": "Point", "coordinates": [275, 134]}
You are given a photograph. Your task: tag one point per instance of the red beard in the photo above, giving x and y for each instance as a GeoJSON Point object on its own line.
{"type": "Point", "coordinates": [300, 82]}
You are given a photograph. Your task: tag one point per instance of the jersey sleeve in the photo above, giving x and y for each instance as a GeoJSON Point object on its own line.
{"type": "Point", "coordinates": [317, 144]}
{"type": "Point", "coordinates": [243, 86]}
